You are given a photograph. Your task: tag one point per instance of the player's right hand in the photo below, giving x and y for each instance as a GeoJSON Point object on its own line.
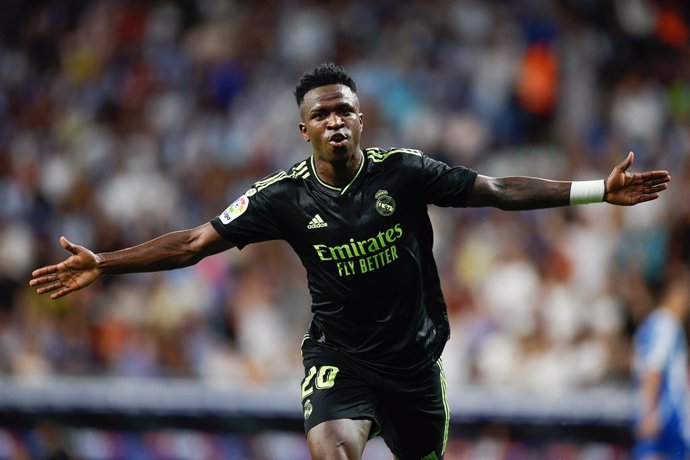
{"type": "Point", "coordinates": [76, 272]}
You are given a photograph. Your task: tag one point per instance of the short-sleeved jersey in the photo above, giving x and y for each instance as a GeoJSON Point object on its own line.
{"type": "Point", "coordinates": [367, 250]}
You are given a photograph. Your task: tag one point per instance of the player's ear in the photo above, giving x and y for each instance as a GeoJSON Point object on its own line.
{"type": "Point", "coordinates": [303, 130]}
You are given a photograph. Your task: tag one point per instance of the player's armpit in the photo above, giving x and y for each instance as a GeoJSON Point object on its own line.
{"type": "Point", "coordinates": [208, 241]}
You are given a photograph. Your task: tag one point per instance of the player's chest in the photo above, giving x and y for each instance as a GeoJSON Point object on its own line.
{"type": "Point", "coordinates": [371, 211]}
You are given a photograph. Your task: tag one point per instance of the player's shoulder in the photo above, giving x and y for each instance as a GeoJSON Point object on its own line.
{"type": "Point", "coordinates": [397, 158]}
{"type": "Point", "coordinates": [393, 155]}
{"type": "Point", "coordinates": [281, 179]}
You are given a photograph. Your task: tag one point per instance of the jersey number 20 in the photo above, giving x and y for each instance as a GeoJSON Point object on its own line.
{"type": "Point", "coordinates": [325, 378]}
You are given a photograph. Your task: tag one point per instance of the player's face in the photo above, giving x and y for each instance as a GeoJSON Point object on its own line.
{"type": "Point", "coordinates": [331, 121]}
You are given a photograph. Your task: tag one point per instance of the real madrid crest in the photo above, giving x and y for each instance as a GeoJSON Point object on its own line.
{"type": "Point", "coordinates": [307, 409]}
{"type": "Point", "coordinates": [385, 204]}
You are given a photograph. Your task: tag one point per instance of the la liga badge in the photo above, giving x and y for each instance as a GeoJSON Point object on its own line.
{"type": "Point", "coordinates": [235, 210]}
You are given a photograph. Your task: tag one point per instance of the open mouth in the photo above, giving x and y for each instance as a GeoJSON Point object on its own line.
{"type": "Point", "coordinates": [337, 139]}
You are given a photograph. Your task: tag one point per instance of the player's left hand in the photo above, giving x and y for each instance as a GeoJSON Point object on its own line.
{"type": "Point", "coordinates": [627, 189]}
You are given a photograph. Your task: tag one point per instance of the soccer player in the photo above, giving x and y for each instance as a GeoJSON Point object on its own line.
{"type": "Point", "coordinates": [660, 371]}
{"type": "Point", "coordinates": [357, 218]}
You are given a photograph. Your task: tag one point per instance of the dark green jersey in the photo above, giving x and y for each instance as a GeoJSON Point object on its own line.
{"type": "Point", "coordinates": [367, 249]}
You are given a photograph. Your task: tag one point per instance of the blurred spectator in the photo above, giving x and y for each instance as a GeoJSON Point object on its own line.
{"type": "Point", "coordinates": [661, 425]}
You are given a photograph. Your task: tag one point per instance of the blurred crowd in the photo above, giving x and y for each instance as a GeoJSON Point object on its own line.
{"type": "Point", "coordinates": [166, 444]}
{"type": "Point", "coordinates": [121, 120]}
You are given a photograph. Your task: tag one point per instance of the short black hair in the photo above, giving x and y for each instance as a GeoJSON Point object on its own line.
{"type": "Point", "coordinates": [324, 74]}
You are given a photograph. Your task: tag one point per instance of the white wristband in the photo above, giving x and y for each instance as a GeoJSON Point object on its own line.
{"type": "Point", "coordinates": [587, 191]}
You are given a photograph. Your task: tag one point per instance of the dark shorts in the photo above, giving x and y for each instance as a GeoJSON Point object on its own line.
{"type": "Point", "coordinates": [409, 412]}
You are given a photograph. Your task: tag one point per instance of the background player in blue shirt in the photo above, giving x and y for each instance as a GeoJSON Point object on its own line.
{"type": "Point", "coordinates": [660, 370]}
{"type": "Point", "coordinates": [359, 379]}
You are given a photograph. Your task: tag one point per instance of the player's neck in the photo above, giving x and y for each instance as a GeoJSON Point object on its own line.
{"type": "Point", "coordinates": [338, 173]}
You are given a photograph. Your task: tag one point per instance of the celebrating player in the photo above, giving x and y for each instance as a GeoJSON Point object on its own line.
{"type": "Point", "coordinates": [358, 220]}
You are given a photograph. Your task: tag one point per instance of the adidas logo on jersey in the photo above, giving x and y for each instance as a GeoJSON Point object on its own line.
{"type": "Point", "coordinates": [316, 222]}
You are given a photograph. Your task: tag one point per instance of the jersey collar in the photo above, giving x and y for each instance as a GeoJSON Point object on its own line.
{"type": "Point", "coordinates": [340, 191]}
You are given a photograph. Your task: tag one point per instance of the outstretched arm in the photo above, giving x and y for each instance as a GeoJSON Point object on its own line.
{"type": "Point", "coordinates": [83, 267]}
{"type": "Point", "coordinates": [519, 193]}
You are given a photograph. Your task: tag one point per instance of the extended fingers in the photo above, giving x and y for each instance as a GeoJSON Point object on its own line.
{"type": "Point", "coordinates": [49, 288]}
{"type": "Point", "coordinates": [651, 179]}
{"type": "Point", "coordinates": [647, 189]}
{"type": "Point", "coordinates": [652, 182]}
{"type": "Point", "coordinates": [43, 279]}
{"type": "Point", "coordinates": [57, 288]}
{"type": "Point", "coordinates": [649, 197]}
{"type": "Point", "coordinates": [44, 271]}
{"type": "Point", "coordinates": [47, 280]}
{"type": "Point", "coordinates": [62, 292]}
{"type": "Point", "coordinates": [655, 175]}
{"type": "Point", "coordinates": [647, 192]}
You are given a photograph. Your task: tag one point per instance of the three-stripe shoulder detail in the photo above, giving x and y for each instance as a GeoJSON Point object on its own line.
{"type": "Point", "coordinates": [270, 180]}
{"type": "Point", "coordinates": [378, 155]}
{"type": "Point", "coordinates": [299, 171]}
